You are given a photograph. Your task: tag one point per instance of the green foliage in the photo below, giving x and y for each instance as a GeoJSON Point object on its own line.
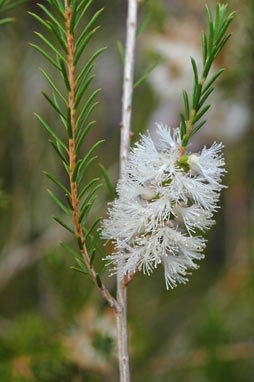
{"type": "Point", "coordinates": [211, 47]}
{"type": "Point", "coordinates": [108, 182]}
{"type": "Point", "coordinates": [66, 40]}
{"type": "Point", "coordinates": [154, 14]}
{"type": "Point", "coordinates": [63, 224]}
{"type": "Point", "coordinates": [144, 23]}
{"type": "Point", "coordinates": [147, 72]}
{"type": "Point", "coordinates": [5, 6]}
{"type": "Point", "coordinates": [120, 49]}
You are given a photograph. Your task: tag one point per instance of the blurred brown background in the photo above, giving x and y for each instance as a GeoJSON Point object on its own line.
{"type": "Point", "coordinates": [53, 324]}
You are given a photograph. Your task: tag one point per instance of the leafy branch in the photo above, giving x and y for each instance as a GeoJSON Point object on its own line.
{"type": "Point", "coordinates": [65, 57]}
{"type": "Point", "coordinates": [202, 89]}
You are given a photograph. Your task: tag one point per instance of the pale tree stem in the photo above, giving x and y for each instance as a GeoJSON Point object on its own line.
{"type": "Point", "coordinates": [128, 82]}
{"type": "Point", "coordinates": [121, 315]}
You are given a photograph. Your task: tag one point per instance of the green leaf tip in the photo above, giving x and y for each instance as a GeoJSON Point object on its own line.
{"type": "Point", "coordinates": [79, 270]}
{"type": "Point", "coordinates": [59, 221]}
{"type": "Point", "coordinates": [7, 20]}
{"type": "Point", "coordinates": [60, 204]}
{"type": "Point", "coordinates": [70, 250]}
{"type": "Point", "coordinates": [51, 177]}
{"type": "Point", "coordinates": [108, 182]}
{"type": "Point", "coordinates": [7, 7]}
{"type": "Point", "coordinates": [211, 46]}
{"type": "Point", "coordinates": [120, 49]}
{"type": "Point", "coordinates": [147, 73]}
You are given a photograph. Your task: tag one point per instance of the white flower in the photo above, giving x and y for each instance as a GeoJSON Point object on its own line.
{"type": "Point", "coordinates": [162, 203]}
{"type": "Point", "coordinates": [209, 164]}
{"type": "Point", "coordinates": [193, 217]}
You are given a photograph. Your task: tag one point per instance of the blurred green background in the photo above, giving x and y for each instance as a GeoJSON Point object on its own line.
{"type": "Point", "coordinates": [53, 324]}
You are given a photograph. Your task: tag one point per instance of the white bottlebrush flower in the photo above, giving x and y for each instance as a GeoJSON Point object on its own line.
{"type": "Point", "coordinates": [193, 217]}
{"type": "Point", "coordinates": [209, 163]}
{"type": "Point", "coordinates": [162, 202]}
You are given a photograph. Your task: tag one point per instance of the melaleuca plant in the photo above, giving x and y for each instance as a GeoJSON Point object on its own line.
{"type": "Point", "coordinates": [62, 20]}
{"type": "Point", "coordinates": [165, 196]}
{"type": "Point", "coordinates": [168, 196]}
{"type": "Point", "coordinates": [202, 87]}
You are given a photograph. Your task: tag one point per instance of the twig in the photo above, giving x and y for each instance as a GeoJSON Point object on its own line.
{"type": "Point", "coordinates": [121, 315]}
{"type": "Point", "coordinates": [128, 83]}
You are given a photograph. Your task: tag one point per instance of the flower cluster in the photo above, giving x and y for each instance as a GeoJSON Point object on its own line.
{"type": "Point", "coordinates": [165, 201]}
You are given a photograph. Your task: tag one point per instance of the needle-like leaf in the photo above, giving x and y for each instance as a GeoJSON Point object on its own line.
{"type": "Point", "coordinates": [60, 204]}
